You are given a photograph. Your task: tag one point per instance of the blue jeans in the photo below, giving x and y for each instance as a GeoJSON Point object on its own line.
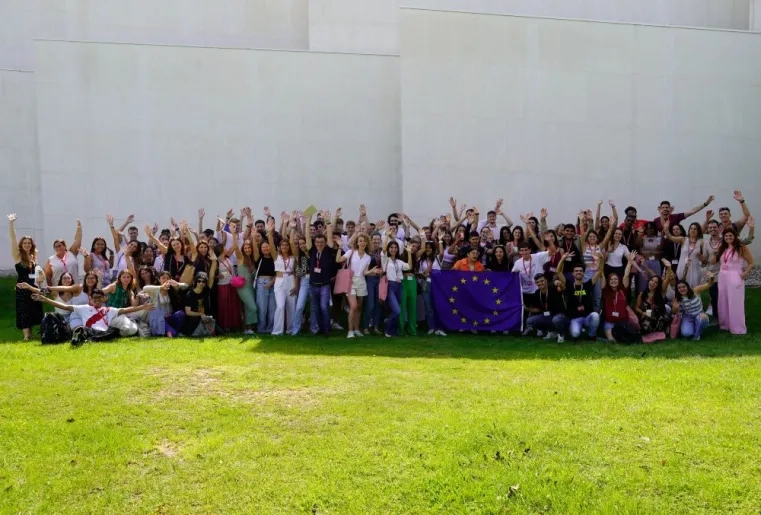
{"type": "Point", "coordinates": [394, 302]}
{"type": "Point", "coordinates": [372, 302]}
{"type": "Point", "coordinates": [301, 302]}
{"type": "Point", "coordinates": [320, 307]}
{"type": "Point", "coordinates": [430, 309]}
{"type": "Point", "coordinates": [590, 322]}
{"type": "Point", "coordinates": [265, 303]}
{"type": "Point", "coordinates": [693, 327]}
{"type": "Point", "coordinates": [548, 323]}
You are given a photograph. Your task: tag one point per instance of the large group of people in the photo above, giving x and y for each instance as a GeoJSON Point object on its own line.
{"type": "Point", "coordinates": [301, 272]}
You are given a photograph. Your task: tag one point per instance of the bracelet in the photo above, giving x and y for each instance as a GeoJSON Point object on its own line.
{"type": "Point", "coordinates": [742, 201]}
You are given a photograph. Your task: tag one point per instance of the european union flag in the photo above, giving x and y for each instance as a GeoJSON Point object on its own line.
{"type": "Point", "coordinates": [480, 301]}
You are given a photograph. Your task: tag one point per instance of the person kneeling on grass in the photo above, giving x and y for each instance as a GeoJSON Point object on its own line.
{"type": "Point", "coordinates": [99, 320]}
{"type": "Point", "coordinates": [546, 308]}
{"type": "Point", "coordinates": [579, 301]}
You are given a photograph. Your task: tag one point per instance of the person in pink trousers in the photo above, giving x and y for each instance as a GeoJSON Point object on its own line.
{"type": "Point", "coordinates": [730, 257]}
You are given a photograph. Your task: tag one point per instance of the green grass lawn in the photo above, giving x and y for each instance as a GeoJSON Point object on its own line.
{"type": "Point", "coordinates": [463, 424]}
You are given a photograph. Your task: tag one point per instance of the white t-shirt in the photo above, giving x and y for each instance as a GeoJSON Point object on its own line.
{"type": "Point", "coordinates": [529, 268]}
{"type": "Point", "coordinates": [97, 319]}
{"type": "Point", "coordinates": [615, 257]}
{"type": "Point", "coordinates": [358, 264]}
{"type": "Point", "coordinates": [229, 244]}
{"type": "Point", "coordinates": [394, 269]}
{"type": "Point", "coordinates": [60, 266]}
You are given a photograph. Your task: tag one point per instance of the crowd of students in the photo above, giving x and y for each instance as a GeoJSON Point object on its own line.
{"type": "Point", "coordinates": [259, 275]}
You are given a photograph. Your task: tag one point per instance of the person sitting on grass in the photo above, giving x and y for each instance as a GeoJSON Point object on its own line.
{"type": "Point", "coordinates": [689, 305]}
{"type": "Point", "coordinates": [97, 317]}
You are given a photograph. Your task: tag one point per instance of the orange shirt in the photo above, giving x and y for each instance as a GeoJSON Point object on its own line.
{"type": "Point", "coordinates": [462, 266]}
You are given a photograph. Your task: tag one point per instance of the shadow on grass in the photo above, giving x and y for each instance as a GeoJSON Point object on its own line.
{"type": "Point", "coordinates": [499, 347]}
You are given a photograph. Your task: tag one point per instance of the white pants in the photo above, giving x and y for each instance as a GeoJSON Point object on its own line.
{"type": "Point", "coordinates": [285, 303]}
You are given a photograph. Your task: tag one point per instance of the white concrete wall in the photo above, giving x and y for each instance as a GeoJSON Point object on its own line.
{"type": "Point", "coordinates": [20, 190]}
{"type": "Point", "coordinates": [373, 25]}
{"type": "Point", "coordinates": [227, 23]}
{"type": "Point", "coordinates": [160, 131]}
{"type": "Point", "coordinates": [559, 114]}
{"type": "Point", "coordinates": [755, 15]}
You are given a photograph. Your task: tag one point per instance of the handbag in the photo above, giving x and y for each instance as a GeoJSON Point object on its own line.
{"type": "Point", "coordinates": [343, 279]}
{"type": "Point", "coordinates": [188, 274]}
{"type": "Point", "coordinates": [236, 281]}
{"type": "Point", "coordinates": [383, 286]}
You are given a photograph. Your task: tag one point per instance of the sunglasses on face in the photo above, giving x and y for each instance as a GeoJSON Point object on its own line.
{"type": "Point", "coordinates": [202, 281]}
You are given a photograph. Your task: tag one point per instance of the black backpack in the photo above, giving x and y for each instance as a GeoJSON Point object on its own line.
{"type": "Point", "coordinates": [54, 329]}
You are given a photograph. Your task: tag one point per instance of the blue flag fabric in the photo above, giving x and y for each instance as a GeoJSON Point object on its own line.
{"type": "Point", "coordinates": [480, 301]}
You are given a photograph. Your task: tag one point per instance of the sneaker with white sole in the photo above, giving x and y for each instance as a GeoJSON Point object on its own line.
{"type": "Point", "coordinates": [539, 334]}
{"type": "Point", "coordinates": [359, 334]}
{"type": "Point", "coordinates": [551, 335]}
{"type": "Point", "coordinates": [350, 335]}
{"type": "Point", "coordinates": [335, 325]}
{"type": "Point", "coordinates": [561, 338]}
{"type": "Point", "coordinates": [439, 332]}
{"type": "Point", "coordinates": [387, 335]}
{"type": "Point", "coordinates": [430, 332]}
{"type": "Point", "coordinates": [528, 330]}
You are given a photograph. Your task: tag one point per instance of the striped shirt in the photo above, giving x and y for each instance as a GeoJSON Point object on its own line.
{"type": "Point", "coordinates": [691, 307]}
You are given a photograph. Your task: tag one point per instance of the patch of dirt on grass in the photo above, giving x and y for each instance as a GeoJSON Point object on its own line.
{"type": "Point", "coordinates": [211, 382]}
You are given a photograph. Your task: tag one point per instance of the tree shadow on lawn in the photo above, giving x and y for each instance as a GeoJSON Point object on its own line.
{"type": "Point", "coordinates": [499, 347]}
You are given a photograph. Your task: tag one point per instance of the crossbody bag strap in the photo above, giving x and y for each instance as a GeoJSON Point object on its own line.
{"type": "Point", "coordinates": [256, 275]}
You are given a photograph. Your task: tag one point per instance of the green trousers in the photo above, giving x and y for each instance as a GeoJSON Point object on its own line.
{"type": "Point", "coordinates": [408, 314]}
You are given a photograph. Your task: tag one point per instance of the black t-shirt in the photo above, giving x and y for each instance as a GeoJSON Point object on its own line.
{"type": "Point", "coordinates": [579, 299]}
{"type": "Point", "coordinates": [322, 265]}
{"type": "Point", "coordinates": [551, 301]}
{"type": "Point", "coordinates": [570, 246]}
{"type": "Point", "coordinates": [199, 303]}
{"type": "Point", "coordinates": [267, 268]}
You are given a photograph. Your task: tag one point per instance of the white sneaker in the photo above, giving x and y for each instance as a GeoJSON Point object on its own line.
{"type": "Point", "coordinates": [350, 335]}
{"type": "Point", "coordinates": [430, 332]}
{"type": "Point", "coordinates": [551, 336]}
{"type": "Point", "coordinates": [709, 311]}
{"type": "Point", "coordinates": [387, 335]}
{"type": "Point", "coordinates": [540, 334]}
{"type": "Point", "coordinates": [248, 331]}
{"type": "Point", "coordinates": [561, 338]}
{"type": "Point", "coordinates": [439, 332]}
{"type": "Point", "coordinates": [528, 330]}
{"type": "Point", "coordinates": [335, 325]}
{"type": "Point", "coordinates": [359, 334]}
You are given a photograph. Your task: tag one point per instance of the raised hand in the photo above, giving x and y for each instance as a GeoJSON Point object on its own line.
{"type": "Point", "coordinates": [500, 201]}
{"type": "Point", "coordinates": [712, 198]}
{"type": "Point", "coordinates": [612, 204]}
{"type": "Point", "coordinates": [379, 225]}
{"type": "Point", "coordinates": [543, 213]}
{"type": "Point", "coordinates": [632, 255]}
{"type": "Point", "coordinates": [738, 196]}
{"type": "Point", "coordinates": [130, 219]}
{"type": "Point", "coordinates": [453, 202]}
{"type": "Point", "coordinates": [201, 213]}
{"type": "Point", "coordinates": [173, 222]}
{"type": "Point", "coordinates": [362, 210]}
{"type": "Point", "coordinates": [666, 263]}
{"type": "Point", "coordinates": [284, 216]}
{"type": "Point", "coordinates": [599, 203]}
{"type": "Point", "coordinates": [230, 213]}
{"type": "Point", "coordinates": [12, 217]}
{"type": "Point", "coordinates": [148, 230]}
{"type": "Point", "coordinates": [270, 225]}
{"type": "Point", "coordinates": [267, 211]}
{"type": "Point", "coordinates": [110, 219]}
{"type": "Point", "coordinates": [339, 212]}
{"type": "Point", "coordinates": [709, 214]}
{"type": "Point", "coordinates": [155, 228]}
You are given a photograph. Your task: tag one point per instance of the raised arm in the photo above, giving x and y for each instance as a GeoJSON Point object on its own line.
{"type": "Point", "coordinates": [699, 207]}
{"type": "Point", "coordinates": [162, 248]}
{"type": "Point", "coordinates": [628, 270]}
{"type": "Point", "coordinates": [597, 216]}
{"type": "Point", "coordinates": [201, 214]}
{"type": "Point", "coordinates": [412, 223]}
{"type": "Point", "coordinates": [134, 309]}
{"type": "Point", "coordinates": [14, 241]}
{"type": "Point", "coordinates": [271, 238]}
{"type": "Point", "coordinates": [738, 196]}
{"type": "Point", "coordinates": [667, 233]}
{"type": "Point", "coordinates": [703, 287]}
{"type": "Point", "coordinates": [669, 278]}
{"type": "Point", "coordinates": [308, 233]}
{"type": "Point", "coordinates": [74, 249]}
{"type": "Point", "coordinates": [530, 232]}
{"type": "Point", "coordinates": [214, 264]}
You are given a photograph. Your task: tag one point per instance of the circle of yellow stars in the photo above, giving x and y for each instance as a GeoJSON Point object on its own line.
{"type": "Point", "coordinates": [464, 320]}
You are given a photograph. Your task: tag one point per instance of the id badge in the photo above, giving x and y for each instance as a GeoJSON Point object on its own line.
{"type": "Point", "coordinates": [568, 259]}
{"type": "Point", "coordinates": [553, 269]}
{"type": "Point", "coordinates": [546, 313]}
{"type": "Point", "coordinates": [317, 270]}
{"type": "Point", "coordinates": [580, 308]}
{"type": "Point", "coordinates": [428, 279]}
{"type": "Point", "coordinates": [615, 313]}
{"type": "Point", "coordinates": [674, 261]}
{"type": "Point", "coordinates": [33, 277]}
{"type": "Point", "coordinates": [651, 258]}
